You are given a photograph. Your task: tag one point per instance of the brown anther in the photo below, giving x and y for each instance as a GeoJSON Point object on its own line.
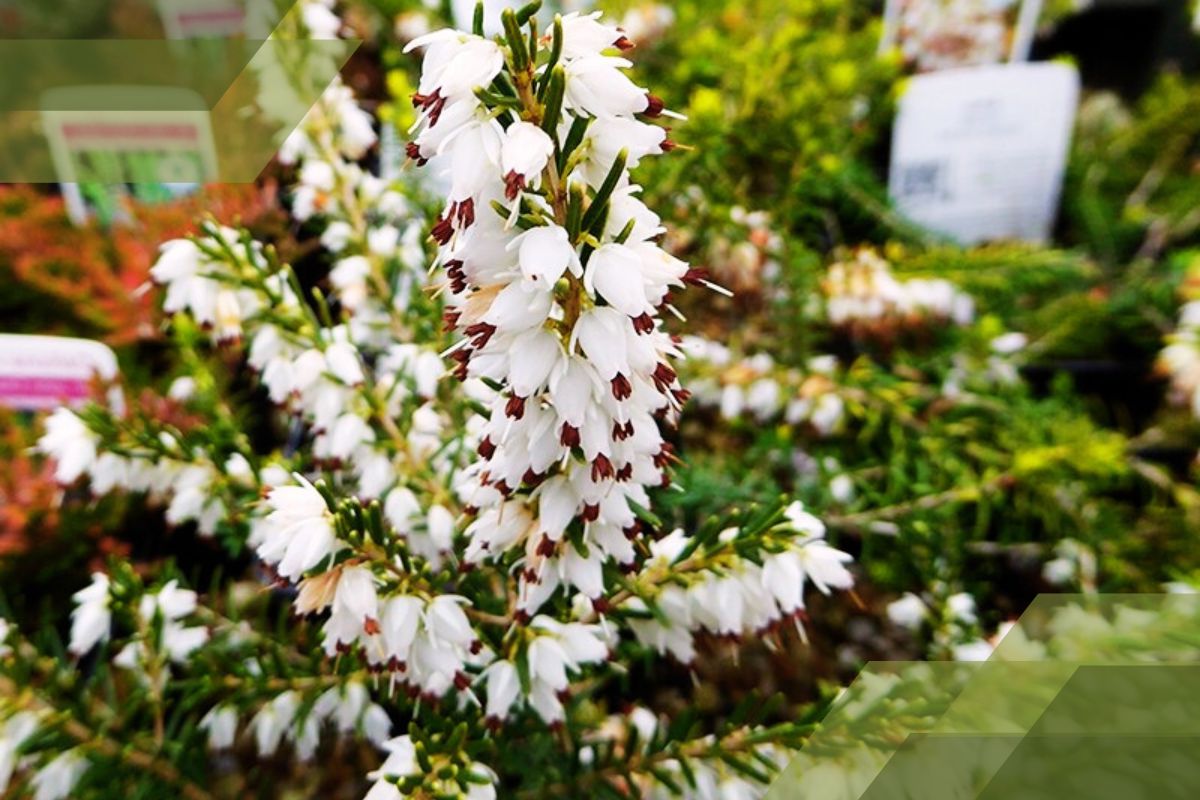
{"type": "Point", "coordinates": [413, 150]}
{"type": "Point", "coordinates": [664, 377]}
{"type": "Point", "coordinates": [622, 389]}
{"type": "Point", "coordinates": [466, 213]}
{"type": "Point", "coordinates": [602, 467]}
{"type": "Point", "coordinates": [443, 230]}
{"type": "Point", "coordinates": [480, 333]}
{"type": "Point", "coordinates": [514, 184]}
{"type": "Point", "coordinates": [515, 408]}
{"type": "Point", "coordinates": [569, 436]}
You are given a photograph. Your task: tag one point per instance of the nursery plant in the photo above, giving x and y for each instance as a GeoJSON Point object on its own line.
{"type": "Point", "coordinates": [467, 566]}
{"type": "Point", "coordinates": [531, 440]}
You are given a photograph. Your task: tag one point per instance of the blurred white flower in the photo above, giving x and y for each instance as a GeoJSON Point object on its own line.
{"type": "Point", "coordinates": [91, 620]}
{"type": "Point", "coordinates": [909, 611]}
{"type": "Point", "coordinates": [57, 779]}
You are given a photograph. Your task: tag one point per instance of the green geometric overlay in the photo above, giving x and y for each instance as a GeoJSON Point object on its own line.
{"type": "Point", "coordinates": [206, 108]}
{"type": "Point", "coordinates": [1085, 697]}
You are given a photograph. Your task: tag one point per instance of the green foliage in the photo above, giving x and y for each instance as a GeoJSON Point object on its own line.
{"type": "Point", "coordinates": [785, 101]}
{"type": "Point", "coordinates": [1131, 183]}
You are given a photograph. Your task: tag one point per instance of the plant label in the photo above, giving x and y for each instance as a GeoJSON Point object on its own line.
{"type": "Point", "coordinates": [945, 34]}
{"type": "Point", "coordinates": [39, 373]}
{"type": "Point", "coordinates": [194, 19]}
{"type": "Point", "coordinates": [154, 152]}
{"type": "Point", "coordinates": [978, 153]}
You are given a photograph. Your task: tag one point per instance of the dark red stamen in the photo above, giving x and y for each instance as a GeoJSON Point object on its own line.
{"type": "Point", "coordinates": [602, 467]}
{"type": "Point", "coordinates": [466, 213]}
{"type": "Point", "coordinates": [443, 230]}
{"type": "Point", "coordinates": [515, 407]}
{"type": "Point", "coordinates": [414, 152]}
{"type": "Point", "coordinates": [481, 334]}
{"type": "Point", "coordinates": [569, 437]}
{"type": "Point", "coordinates": [664, 377]}
{"type": "Point", "coordinates": [643, 324]}
{"type": "Point", "coordinates": [622, 389]}
{"type": "Point", "coordinates": [514, 184]}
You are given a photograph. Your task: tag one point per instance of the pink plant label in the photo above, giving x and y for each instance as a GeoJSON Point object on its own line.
{"type": "Point", "coordinates": [39, 373]}
{"type": "Point", "coordinates": [190, 19]}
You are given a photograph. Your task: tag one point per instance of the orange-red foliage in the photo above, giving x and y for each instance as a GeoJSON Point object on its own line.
{"type": "Point", "coordinates": [28, 493]}
{"type": "Point", "coordinates": [96, 272]}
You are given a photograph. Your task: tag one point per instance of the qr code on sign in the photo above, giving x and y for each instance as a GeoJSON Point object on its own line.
{"type": "Point", "coordinates": [923, 180]}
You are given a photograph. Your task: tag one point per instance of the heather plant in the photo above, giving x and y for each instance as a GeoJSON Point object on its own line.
{"type": "Point", "coordinates": [480, 483]}
{"type": "Point", "coordinates": [471, 557]}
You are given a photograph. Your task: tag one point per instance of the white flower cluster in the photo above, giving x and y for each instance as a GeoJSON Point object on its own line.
{"type": "Point", "coordinates": [756, 386]}
{"type": "Point", "coordinates": [863, 292]}
{"type": "Point", "coordinates": [1180, 359]}
{"type": "Point", "coordinates": [161, 637]}
{"type": "Point", "coordinates": [999, 368]}
{"type": "Point", "coordinates": [555, 282]}
{"type": "Point", "coordinates": [555, 650]}
{"type": "Point", "coordinates": [403, 763]}
{"type": "Point", "coordinates": [426, 642]}
{"type": "Point", "coordinates": [342, 380]}
{"type": "Point", "coordinates": [71, 444]}
{"type": "Point", "coordinates": [203, 282]}
{"type": "Point", "coordinates": [169, 606]}
{"type": "Point", "coordinates": [348, 708]}
{"type": "Point", "coordinates": [188, 481]}
{"type": "Point", "coordinates": [705, 777]}
{"type": "Point", "coordinates": [745, 598]}
{"type": "Point", "coordinates": [954, 621]}
{"type": "Point", "coordinates": [447, 518]}
{"type": "Point", "coordinates": [91, 624]}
